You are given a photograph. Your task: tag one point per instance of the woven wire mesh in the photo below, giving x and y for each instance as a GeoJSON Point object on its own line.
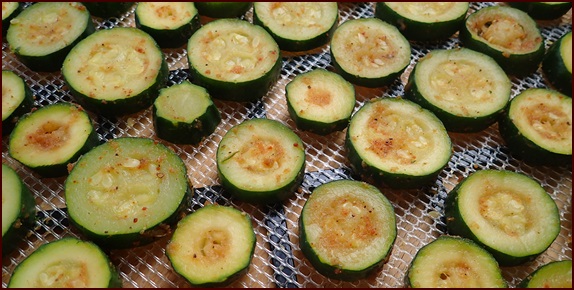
{"type": "Point", "coordinates": [278, 261]}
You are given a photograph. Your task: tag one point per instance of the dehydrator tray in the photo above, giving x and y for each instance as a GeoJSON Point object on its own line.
{"type": "Point", "coordinates": [278, 261]}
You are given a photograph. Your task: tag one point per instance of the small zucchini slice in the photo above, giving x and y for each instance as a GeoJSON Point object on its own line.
{"type": "Point", "coordinates": [261, 161]}
{"type": "Point", "coordinates": [557, 64]}
{"type": "Point", "coordinates": [234, 59]}
{"type": "Point", "coordinates": [18, 209]}
{"type": "Point", "coordinates": [507, 213]}
{"type": "Point", "coordinates": [543, 10]}
{"type": "Point", "coordinates": [506, 34]}
{"type": "Point", "coordinates": [43, 34]}
{"type": "Point", "coordinates": [127, 192]}
{"type": "Point", "coordinates": [537, 127]}
{"type": "Point", "coordinates": [213, 246]}
{"type": "Point", "coordinates": [424, 21]}
{"type": "Point", "coordinates": [298, 26]}
{"type": "Point", "coordinates": [9, 11]}
{"type": "Point", "coordinates": [66, 263]}
{"type": "Point", "coordinates": [397, 142]}
{"type": "Point", "coordinates": [369, 52]}
{"type": "Point", "coordinates": [454, 262]}
{"type": "Point", "coordinates": [320, 101]}
{"type": "Point", "coordinates": [48, 139]}
{"type": "Point", "coordinates": [17, 100]}
{"type": "Point", "coordinates": [347, 229]}
{"type": "Point", "coordinates": [223, 9]}
{"type": "Point", "coordinates": [555, 274]}
{"type": "Point", "coordinates": [184, 113]}
{"type": "Point", "coordinates": [108, 9]}
{"type": "Point", "coordinates": [171, 24]}
{"type": "Point", "coordinates": [115, 71]}
{"type": "Point", "coordinates": [466, 90]}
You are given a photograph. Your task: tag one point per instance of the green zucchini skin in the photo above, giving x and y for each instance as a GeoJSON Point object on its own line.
{"type": "Point", "coordinates": [6, 20]}
{"type": "Point", "coordinates": [108, 9]}
{"type": "Point", "coordinates": [555, 274]}
{"type": "Point", "coordinates": [21, 91]}
{"type": "Point", "coordinates": [223, 9]}
{"type": "Point", "coordinates": [554, 65]}
{"type": "Point", "coordinates": [543, 10]}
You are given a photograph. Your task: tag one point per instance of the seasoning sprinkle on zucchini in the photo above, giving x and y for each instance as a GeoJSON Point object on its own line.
{"type": "Point", "coordinates": [17, 100]}
{"type": "Point", "coordinates": [171, 24]}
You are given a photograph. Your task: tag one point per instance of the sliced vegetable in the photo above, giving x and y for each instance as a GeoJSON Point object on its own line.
{"type": "Point", "coordinates": [557, 64]}
{"type": "Point", "coordinates": [543, 10]}
{"type": "Point", "coordinates": [223, 9]}
{"type": "Point", "coordinates": [108, 9]}
{"type": "Point", "coordinates": [555, 274]}
{"type": "Point", "coordinates": [171, 24]}
{"type": "Point", "coordinates": [9, 11]}
{"type": "Point", "coordinates": [17, 100]}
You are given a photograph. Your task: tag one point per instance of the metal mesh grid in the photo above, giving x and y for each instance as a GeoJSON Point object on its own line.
{"type": "Point", "coordinates": [278, 261]}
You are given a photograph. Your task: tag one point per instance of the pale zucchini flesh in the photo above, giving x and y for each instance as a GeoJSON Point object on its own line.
{"type": "Point", "coordinates": [165, 15]}
{"type": "Point", "coordinates": [429, 12]}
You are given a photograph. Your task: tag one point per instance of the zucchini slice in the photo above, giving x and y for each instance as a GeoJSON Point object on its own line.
{"type": "Point", "coordinates": [369, 52]}
{"type": "Point", "coordinates": [320, 101]}
{"type": "Point", "coordinates": [454, 262]}
{"type": "Point", "coordinates": [48, 139]}
{"type": "Point", "coordinates": [127, 192]}
{"type": "Point", "coordinates": [223, 9]}
{"type": "Point", "coordinates": [298, 26]}
{"type": "Point", "coordinates": [108, 9]}
{"type": "Point", "coordinates": [115, 71]}
{"type": "Point", "coordinates": [508, 213]}
{"type": "Point", "coordinates": [555, 274]}
{"type": "Point", "coordinates": [543, 10]}
{"type": "Point", "coordinates": [557, 64]}
{"type": "Point", "coordinates": [506, 34]}
{"type": "Point", "coordinates": [424, 21]}
{"type": "Point", "coordinates": [18, 209]}
{"type": "Point", "coordinates": [213, 246]}
{"type": "Point", "coordinates": [347, 229]}
{"type": "Point", "coordinates": [537, 127]}
{"type": "Point", "coordinates": [466, 90]}
{"type": "Point", "coordinates": [184, 113]}
{"type": "Point", "coordinates": [17, 100]}
{"type": "Point", "coordinates": [9, 11]}
{"type": "Point", "coordinates": [43, 34]}
{"type": "Point", "coordinates": [234, 59]}
{"type": "Point", "coordinates": [66, 263]}
{"type": "Point", "coordinates": [397, 142]}
{"type": "Point", "coordinates": [171, 24]}
{"type": "Point", "coordinates": [261, 161]}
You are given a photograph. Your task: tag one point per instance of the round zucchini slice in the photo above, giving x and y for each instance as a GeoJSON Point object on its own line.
{"type": "Point", "coordinates": [557, 64]}
{"type": "Point", "coordinates": [18, 209]}
{"type": "Point", "coordinates": [234, 59]}
{"type": "Point", "coordinates": [543, 10]}
{"type": "Point", "coordinates": [424, 21]}
{"type": "Point", "coordinates": [48, 139]}
{"type": "Point", "coordinates": [347, 229]}
{"type": "Point", "coordinates": [454, 262]}
{"type": "Point", "coordinates": [223, 9]}
{"type": "Point", "coordinates": [66, 263]}
{"type": "Point", "coordinates": [466, 90]}
{"type": "Point", "coordinates": [261, 161]}
{"type": "Point", "coordinates": [43, 34]}
{"type": "Point", "coordinates": [508, 213]}
{"type": "Point", "coordinates": [9, 11]}
{"type": "Point", "coordinates": [213, 246]}
{"type": "Point", "coordinates": [506, 34]}
{"type": "Point", "coordinates": [556, 274]}
{"type": "Point", "coordinates": [127, 192]}
{"type": "Point", "coordinates": [369, 52]}
{"type": "Point", "coordinates": [108, 9]}
{"type": "Point", "coordinates": [298, 26]}
{"type": "Point", "coordinates": [397, 142]}
{"type": "Point", "coordinates": [537, 127]}
{"type": "Point", "coordinates": [17, 100]}
{"type": "Point", "coordinates": [320, 101]}
{"type": "Point", "coordinates": [171, 24]}
{"type": "Point", "coordinates": [115, 71]}
{"type": "Point", "coordinates": [184, 113]}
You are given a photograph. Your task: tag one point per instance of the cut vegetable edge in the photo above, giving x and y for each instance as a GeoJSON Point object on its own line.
{"type": "Point", "coordinates": [557, 64]}
{"type": "Point", "coordinates": [223, 9]}
{"type": "Point", "coordinates": [17, 100]}
{"type": "Point", "coordinates": [170, 24]}
{"type": "Point", "coordinates": [555, 274]}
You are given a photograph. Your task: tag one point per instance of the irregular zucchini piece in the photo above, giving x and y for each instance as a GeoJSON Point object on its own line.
{"type": "Point", "coordinates": [320, 101]}
{"type": "Point", "coordinates": [298, 26]}
{"type": "Point", "coordinates": [261, 161]}
{"type": "Point", "coordinates": [234, 59]}
{"type": "Point", "coordinates": [543, 10]}
{"type": "Point", "coordinates": [397, 142]}
{"type": "Point", "coordinates": [424, 21]}
{"type": "Point", "coordinates": [127, 192]}
{"type": "Point", "coordinates": [466, 90]}
{"type": "Point", "coordinates": [48, 139]}
{"type": "Point", "coordinates": [506, 34]}
{"type": "Point", "coordinates": [184, 113]}
{"type": "Point", "coordinates": [537, 127]}
{"type": "Point", "coordinates": [17, 100]}
{"type": "Point", "coordinates": [557, 64]}
{"type": "Point", "coordinates": [507, 213]}
{"type": "Point", "coordinates": [347, 229]}
{"type": "Point", "coordinates": [454, 262]}
{"type": "Point", "coordinates": [9, 11]}
{"type": "Point", "coordinates": [555, 274]}
{"type": "Point", "coordinates": [43, 34]}
{"type": "Point", "coordinates": [66, 263]}
{"type": "Point", "coordinates": [115, 71]}
{"type": "Point", "coordinates": [369, 52]}
{"type": "Point", "coordinates": [171, 24]}
{"type": "Point", "coordinates": [213, 246]}
{"type": "Point", "coordinates": [223, 9]}
{"type": "Point", "coordinates": [108, 9]}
